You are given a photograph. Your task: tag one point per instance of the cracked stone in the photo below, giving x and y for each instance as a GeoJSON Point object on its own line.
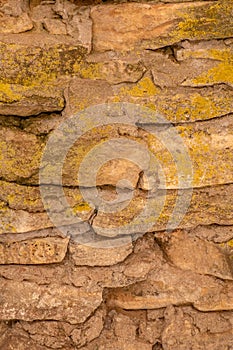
{"type": "Point", "coordinates": [150, 26]}
{"type": "Point", "coordinates": [186, 329]}
{"type": "Point", "coordinates": [171, 286]}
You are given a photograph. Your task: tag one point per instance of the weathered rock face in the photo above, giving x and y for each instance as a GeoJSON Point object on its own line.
{"type": "Point", "coordinates": [116, 185]}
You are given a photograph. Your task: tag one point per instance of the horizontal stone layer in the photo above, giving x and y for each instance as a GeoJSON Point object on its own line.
{"type": "Point", "coordinates": [210, 205]}
{"type": "Point", "coordinates": [209, 146]}
{"type": "Point", "coordinates": [171, 286]}
{"type": "Point", "coordinates": [150, 26]}
{"type": "Point", "coordinates": [216, 199]}
{"type": "Point", "coordinates": [45, 67]}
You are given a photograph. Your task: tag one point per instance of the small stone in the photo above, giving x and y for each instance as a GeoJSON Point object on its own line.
{"type": "Point", "coordinates": [98, 256]}
{"type": "Point", "coordinates": [45, 250]}
{"type": "Point", "coordinates": [54, 26]}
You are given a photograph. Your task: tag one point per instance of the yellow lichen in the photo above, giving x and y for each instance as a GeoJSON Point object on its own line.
{"type": "Point", "coordinates": [145, 87]}
{"type": "Point", "coordinates": [36, 65]}
{"type": "Point", "coordinates": [181, 107]}
{"type": "Point", "coordinates": [81, 207]}
{"type": "Point", "coordinates": [90, 71]}
{"type": "Point", "coordinates": [221, 73]}
{"type": "Point", "coordinates": [230, 243]}
{"type": "Point", "coordinates": [205, 21]}
{"type": "Point", "coordinates": [9, 93]}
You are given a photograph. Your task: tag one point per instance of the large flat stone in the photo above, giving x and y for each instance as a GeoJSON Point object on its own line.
{"type": "Point", "coordinates": [150, 26]}
{"type": "Point", "coordinates": [36, 83]}
{"type": "Point", "coordinates": [29, 301]}
{"type": "Point", "coordinates": [178, 105]}
{"type": "Point", "coordinates": [16, 99]}
{"type": "Point", "coordinates": [202, 140]}
{"type": "Point", "coordinates": [216, 199]}
{"type": "Point", "coordinates": [40, 58]}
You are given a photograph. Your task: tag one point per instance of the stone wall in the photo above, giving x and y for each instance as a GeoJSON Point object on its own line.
{"type": "Point", "coordinates": [152, 290]}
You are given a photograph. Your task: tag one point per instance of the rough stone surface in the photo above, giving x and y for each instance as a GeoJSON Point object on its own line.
{"type": "Point", "coordinates": [195, 333]}
{"type": "Point", "coordinates": [216, 152]}
{"type": "Point", "coordinates": [171, 286]}
{"type": "Point", "coordinates": [14, 19]}
{"type": "Point", "coordinates": [168, 24]}
{"type": "Point", "coordinates": [72, 274]}
{"type": "Point", "coordinates": [57, 302]}
{"type": "Point", "coordinates": [192, 253]}
{"type": "Point", "coordinates": [33, 251]}
{"type": "Point", "coordinates": [96, 256]}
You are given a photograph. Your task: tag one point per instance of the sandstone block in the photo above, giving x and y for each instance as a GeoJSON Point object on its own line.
{"type": "Point", "coordinates": [178, 105]}
{"type": "Point", "coordinates": [171, 286]}
{"type": "Point", "coordinates": [185, 328]}
{"type": "Point", "coordinates": [14, 25]}
{"type": "Point", "coordinates": [98, 256]}
{"type": "Point", "coordinates": [33, 251]}
{"type": "Point", "coordinates": [191, 253]}
{"type": "Point", "coordinates": [150, 26]}
{"type": "Point", "coordinates": [29, 301]}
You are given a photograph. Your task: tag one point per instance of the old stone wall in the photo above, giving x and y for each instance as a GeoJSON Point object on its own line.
{"type": "Point", "coordinates": [87, 284]}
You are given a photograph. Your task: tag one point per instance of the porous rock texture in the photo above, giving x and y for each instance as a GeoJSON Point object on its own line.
{"type": "Point", "coordinates": [163, 289]}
